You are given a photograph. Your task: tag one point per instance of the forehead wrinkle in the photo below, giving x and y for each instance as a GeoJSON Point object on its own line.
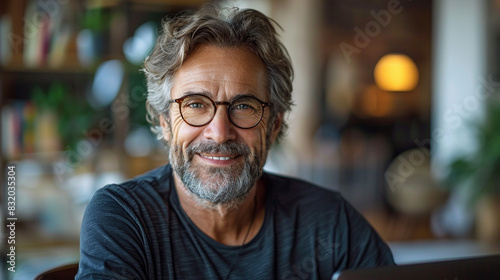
{"type": "Point", "coordinates": [201, 92]}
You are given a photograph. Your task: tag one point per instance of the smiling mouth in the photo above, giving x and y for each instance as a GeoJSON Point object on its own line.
{"type": "Point", "coordinates": [217, 158]}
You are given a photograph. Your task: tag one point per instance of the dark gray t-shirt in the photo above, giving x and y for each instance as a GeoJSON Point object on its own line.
{"type": "Point", "coordinates": [138, 230]}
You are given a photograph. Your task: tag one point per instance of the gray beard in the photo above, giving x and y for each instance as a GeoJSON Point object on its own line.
{"type": "Point", "coordinates": [212, 186]}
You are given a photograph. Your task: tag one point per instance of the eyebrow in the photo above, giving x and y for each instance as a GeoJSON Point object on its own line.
{"type": "Point", "coordinates": [241, 95]}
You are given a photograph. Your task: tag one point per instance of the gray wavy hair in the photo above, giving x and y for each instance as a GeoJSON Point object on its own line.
{"type": "Point", "coordinates": [228, 27]}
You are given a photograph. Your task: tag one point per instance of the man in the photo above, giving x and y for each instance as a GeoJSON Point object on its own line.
{"type": "Point", "coordinates": [219, 84]}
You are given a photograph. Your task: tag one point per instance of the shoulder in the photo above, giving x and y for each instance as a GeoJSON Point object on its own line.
{"type": "Point", "coordinates": [154, 182]}
{"type": "Point", "coordinates": [149, 190]}
{"type": "Point", "coordinates": [158, 178]}
{"type": "Point", "coordinates": [136, 212]}
{"type": "Point", "coordinates": [297, 200]}
{"type": "Point", "coordinates": [288, 190]}
{"type": "Point", "coordinates": [314, 211]}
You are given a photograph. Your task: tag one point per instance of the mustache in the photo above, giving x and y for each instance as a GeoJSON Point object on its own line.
{"type": "Point", "coordinates": [229, 147]}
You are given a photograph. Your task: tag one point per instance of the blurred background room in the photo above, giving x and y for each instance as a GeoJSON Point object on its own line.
{"type": "Point", "coordinates": [397, 106]}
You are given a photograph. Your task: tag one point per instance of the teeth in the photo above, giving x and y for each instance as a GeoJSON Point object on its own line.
{"type": "Point", "coordinates": [217, 158]}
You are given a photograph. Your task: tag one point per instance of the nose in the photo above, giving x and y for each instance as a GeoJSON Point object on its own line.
{"type": "Point", "coordinates": [220, 129]}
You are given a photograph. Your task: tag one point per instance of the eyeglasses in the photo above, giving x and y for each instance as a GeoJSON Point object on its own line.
{"type": "Point", "coordinates": [198, 110]}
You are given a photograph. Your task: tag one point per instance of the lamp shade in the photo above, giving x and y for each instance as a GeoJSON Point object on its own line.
{"type": "Point", "coordinates": [396, 72]}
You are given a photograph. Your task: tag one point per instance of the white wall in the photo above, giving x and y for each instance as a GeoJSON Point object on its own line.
{"type": "Point", "coordinates": [460, 89]}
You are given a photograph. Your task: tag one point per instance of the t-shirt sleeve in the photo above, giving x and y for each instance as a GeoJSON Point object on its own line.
{"type": "Point", "coordinates": [111, 246]}
{"type": "Point", "coordinates": [363, 247]}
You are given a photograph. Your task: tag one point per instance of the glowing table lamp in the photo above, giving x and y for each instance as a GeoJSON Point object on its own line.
{"type": "Point", "coordinates": [396, 72]}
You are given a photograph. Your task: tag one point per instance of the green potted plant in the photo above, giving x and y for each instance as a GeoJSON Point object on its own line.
{"type": "Point", "coordinates": [480, 173]}
{"type": "Point", "coordinates": [73, 114]}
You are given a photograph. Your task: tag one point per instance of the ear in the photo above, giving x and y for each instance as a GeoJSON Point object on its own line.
{"type": "Point", "coordinates": [276, 127]}
{"type": "Point", "coordinates": [165, 126]}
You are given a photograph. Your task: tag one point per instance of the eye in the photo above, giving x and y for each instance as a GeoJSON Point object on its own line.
{"type": "Point", "coordinates": [242, 107]}
{"type": "Point", "coordinates": [194, 105]}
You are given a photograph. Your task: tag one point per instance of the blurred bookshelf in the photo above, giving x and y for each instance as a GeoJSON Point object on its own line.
{"type": "Point", "coordinates": [58, 59]}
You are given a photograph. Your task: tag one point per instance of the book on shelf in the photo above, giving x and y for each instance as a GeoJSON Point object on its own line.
{"type": "Point", "coordinates": [47, 34]}
{"type": "Point", "coordinates": [26, 130]}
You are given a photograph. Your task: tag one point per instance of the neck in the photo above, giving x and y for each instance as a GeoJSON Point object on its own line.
{"type": "Point", "coordinates": [227, 224]}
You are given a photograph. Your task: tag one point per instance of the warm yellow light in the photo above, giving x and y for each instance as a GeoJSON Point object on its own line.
{"type": "Point", "coordinates": [396, 72]}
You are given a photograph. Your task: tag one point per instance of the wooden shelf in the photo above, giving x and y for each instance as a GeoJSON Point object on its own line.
{"type": "Point", "coordinates": [91, 4]}
{"type": "Point", "coordinates": [179, 3]}
{"type": "Point", "coordinates": [64, 69]}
